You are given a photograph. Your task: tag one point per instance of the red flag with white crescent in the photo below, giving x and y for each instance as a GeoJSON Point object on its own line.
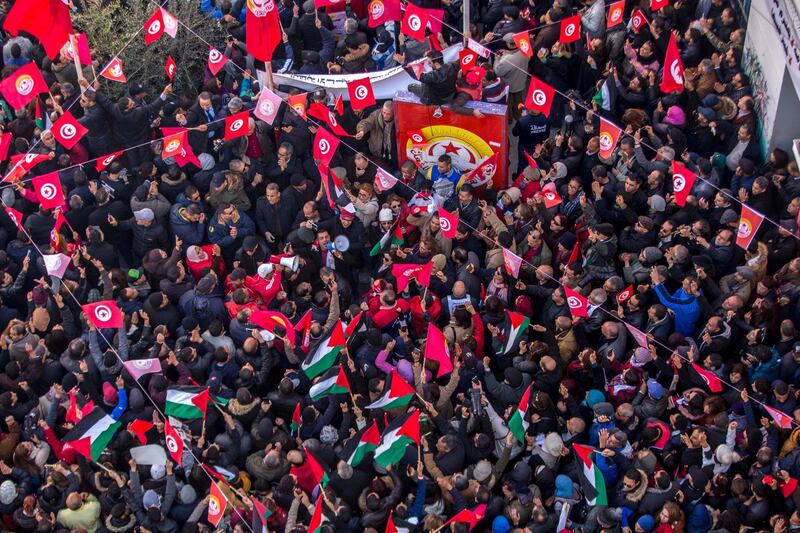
{"type": "Point", "coordinates": [154, 27]}
{"type": "Point", "coordinates": [570, 29]}
{"type": "Point", "coordinates": [672, 73]}
{"type": "Point", "coordinates": [448, 223]}
{"type": "Point", "coordinates": [216, 60]}
{"type": "Point", "coordinates": [415, 22]}
{"type": "Point", "coordinates": [237, 125]}
{"type": "Point", "coordinates": [174, 443]}
{"type": "Point", "coordinates": [578, 305]}
{"type": "Point", "coordinates": [170, 67]}
{"type": "Point", "coordinates": [682, 182]}
{"type": "Point", "coordinates": [467, 59]}
{"type": "Point", "coordinates": [103, 162]}
{"type": "Point", "coordinates": [540, 96]}
{"type": "Point", "coordinates": [361, 93]}
{"type": "Point", "coordinates": [104, 314]}
{"type": "Point", "coordinates": [48, 190]}
{"type": "Point", "coordinates": [68, 131]}
{"type": "Point", "coordinates": [325, 146]}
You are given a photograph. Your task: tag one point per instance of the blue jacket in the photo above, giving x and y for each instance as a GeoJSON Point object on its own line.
{"type": "Point", "coordinates": [769, 370]}
{"type": "Point", "coordinates": [685, 306]}
{"type": "Point", "coordinates": [219, 233]}
{"type": "Point", "coordinates": [189, 232]}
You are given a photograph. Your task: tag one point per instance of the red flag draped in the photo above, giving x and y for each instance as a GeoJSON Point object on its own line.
{"type": "Point", "coordinates": [263, 28]}
{"type": "Point", "coordinates": [47, 20]}
{"type": "Point", "coordinates": [404, 273]}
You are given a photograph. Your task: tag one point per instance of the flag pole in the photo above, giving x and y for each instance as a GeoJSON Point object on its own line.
{"type": "Point", "coordinates": [75, 56]}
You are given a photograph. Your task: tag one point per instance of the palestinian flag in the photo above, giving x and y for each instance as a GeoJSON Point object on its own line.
{"type": "Point", "coordinates": [465, 516]}
{"type": "Point", "coordinates": [516, 327]}
{"type": "Point", "coordinates": [336, 384]}
{"type": "Point", "coordinates": [260, 516]}
{"type": "Point", "coordinates": [187, 402]}
{"type": "Point", "coordinates": [295, 425]}
{"type": "Point", "coordinates": [518, 423]}
{"type": "Point", "coordinates": [357, 449]}
{"type": "Point", "coordinates": [41, 117]}
{"type": "Point", "coordinates": [390, 527]}
{"type": "Point", "coordinates": [357, 325]}
{"type": "Point", "coordinates": [592, 483]}
{"type": "Point", "coordinates": [315, 526]}
{"type": "Point", "coordinates": [393, 237]}
{"type": "Point", "coordinates": [324, 354]}
{"type": "Point", "coordinates": [403, 430]}
{"type": "Point", "coordinates": [320, 476]}
{"type": "Point", "coordinates": [222, 474]}
{"type": "Point", "coordinates": [397, 394]}
{"type": "Point", "coordinates": [91, 435]}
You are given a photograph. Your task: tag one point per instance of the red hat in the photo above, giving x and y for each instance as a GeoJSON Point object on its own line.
{"type": "Point", "coordinates": [110, 395]}
{"type": "Point", "coordinates": [347, 215]}
{"type": "Point", "coordinates": [475, 75]}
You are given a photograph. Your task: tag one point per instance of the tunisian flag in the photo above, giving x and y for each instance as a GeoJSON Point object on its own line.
{"type": "Point", "coordinates": [570, 29]}
{"type": "Point", "coordinates": [682, 182]}
{"type": "Point", "coordinates": [448, 223]}
{"type": "Point", "coordinates": [749, 222]}
{"type": "Point", "coordinates": [672, 74]}
{"type": "Point", "coordinates": [237, 125]}
{"type": "Point", "coordinates": [174, 443]}
{"type": "Point", "coordinates": [104, 314]}
{"type": "Point", "coordinates": [68, 131]}
{"type": "Point", "coordinates": [47, 20]}
{"type": "Point", "coordinates": [415, 22]}
{"type": "Point", "coordinates": [263, 29]}
{"type": "Point", "coordinates": [48, 190]}
{"type": "Point", "coordinates": [540, 96]}
{"type": "Point", "coordinates": [325, 145]}
{"type": "Point", "coordinates": [578, 305]}
{"type": "Point", "coordinates": [23, 85]}
{"type": "Point", "coordinates": [361, 94]}
{"type": "Point", "coordinates": [403, 273]}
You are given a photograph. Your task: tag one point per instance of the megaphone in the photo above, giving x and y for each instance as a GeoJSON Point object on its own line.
{"type": "Point", "coordinates": [292, 263]}
{"type": "Point", "coordinates": [341, 243]}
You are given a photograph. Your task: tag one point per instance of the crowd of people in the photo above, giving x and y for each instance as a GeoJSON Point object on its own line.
{"type": "Point", "coordinates": [694, 429]}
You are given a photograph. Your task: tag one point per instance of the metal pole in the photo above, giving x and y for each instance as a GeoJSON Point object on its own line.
{"type": "Point", "coordinates": [465, 17]}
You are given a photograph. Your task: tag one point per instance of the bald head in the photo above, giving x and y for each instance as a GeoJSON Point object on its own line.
{"type": "Point", "coordinates": [74, 501]}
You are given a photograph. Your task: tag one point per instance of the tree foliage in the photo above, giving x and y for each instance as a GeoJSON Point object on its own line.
{"type": "Point", "coordinates": [114, 25]}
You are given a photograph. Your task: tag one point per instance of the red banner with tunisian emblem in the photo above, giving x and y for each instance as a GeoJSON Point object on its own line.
{"type": "Point", "coordinates": [467, 139]}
